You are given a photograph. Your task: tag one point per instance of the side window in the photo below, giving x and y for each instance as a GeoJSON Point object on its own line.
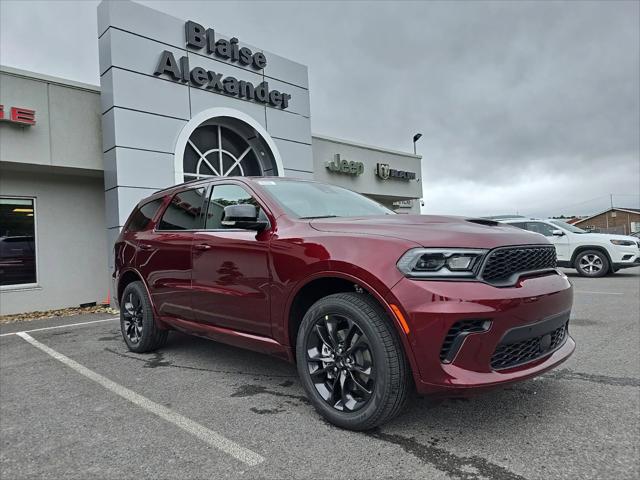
{"type": "Point", "coordinates": [17, 241]}
{"type": "Point", "coordinates": [519, 225]}
{"type": "Point", "coordinates": [141, 217]}
{"type": "Point", "coordinates": [224, 195]}
{"type": "Point", "coordinates": [540, 227]}
{"type": "Point", "coordinates": [184, 212]}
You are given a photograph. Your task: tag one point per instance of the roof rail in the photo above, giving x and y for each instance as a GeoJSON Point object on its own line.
{"type": "Point", "coordinates": [166, 189]}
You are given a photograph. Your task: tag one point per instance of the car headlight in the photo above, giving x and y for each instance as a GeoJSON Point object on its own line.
{"type": "Point", "coordinates": [441, 262]}
{"type": "Point", "coordinates": [623, 243]}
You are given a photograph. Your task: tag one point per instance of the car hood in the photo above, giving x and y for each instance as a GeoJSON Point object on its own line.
{"type": "Point", "coordinates": [604, 237]}
{"type": "Point", "coordinates": [433, 231]}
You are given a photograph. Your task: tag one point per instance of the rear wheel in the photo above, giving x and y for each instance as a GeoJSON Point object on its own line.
{"type": "Point", "coordinates": [592, 263]}
{"type": "Point", "coordinates": [351, 362]}
{"type": "Point", "coordinates": [137, 324]}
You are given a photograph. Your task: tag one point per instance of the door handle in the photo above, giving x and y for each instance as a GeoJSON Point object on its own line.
{"type": "Point", "coordinates": [202, 246]}
{"type": "Point", "coordinates": [145, 246]}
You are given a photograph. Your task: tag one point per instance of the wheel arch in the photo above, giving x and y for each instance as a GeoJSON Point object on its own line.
{"type": "Point", "coordinates": [129, 276]}
{"type": "Point", "coordinates": [326, 283]}
{"type": "Point", "coordinates": [583, 248]}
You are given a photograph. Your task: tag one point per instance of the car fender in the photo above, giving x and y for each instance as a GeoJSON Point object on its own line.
{"type": "Point", "coordinates": [379, 291]}
{"type": "Point", "coordinates": [135, 271]}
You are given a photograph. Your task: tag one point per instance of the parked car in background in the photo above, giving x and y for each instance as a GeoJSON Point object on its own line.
{"type": "Point", "coordinates": [591, 254]}
{"type": "Point", "coordinates": [367, 303]}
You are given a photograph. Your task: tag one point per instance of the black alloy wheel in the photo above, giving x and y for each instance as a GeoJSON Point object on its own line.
{"type": "Point", "coordinates": [351, 361]}
{"type": "Point", "coordinates": [132, 317]}
{"type": "Point", "coordinates": [138, 326]}
{"type": "Point", "coordinates": [340, 362]}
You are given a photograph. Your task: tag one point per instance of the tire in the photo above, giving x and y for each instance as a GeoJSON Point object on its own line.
{"type": "Point", "coordinates": [591, 263]}
{"type": "Point", "coordinates": [370, 343]}
{"type": "Point", "coordinates": [138, 327]}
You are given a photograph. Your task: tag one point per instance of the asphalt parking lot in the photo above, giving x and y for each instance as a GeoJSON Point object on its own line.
{"type": "Point", "coordinates": [74, 403]}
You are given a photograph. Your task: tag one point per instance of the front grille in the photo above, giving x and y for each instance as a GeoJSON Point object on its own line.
{"type": "Point", "coordinates": [450, 346]}
{"type": "Point", "coordinates": [509, 355]}
{"type": "Point", "coordinates": [502, 263]}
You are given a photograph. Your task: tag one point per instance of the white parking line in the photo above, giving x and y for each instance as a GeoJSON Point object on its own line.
{"type": "Point", "coordinates": [62, 326]}
{"type": "Point", "coordinates": [208, 436]}
{"type": "Point", "coordinates": [598, 293]}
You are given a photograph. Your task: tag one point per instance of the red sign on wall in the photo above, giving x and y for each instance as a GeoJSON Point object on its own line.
{"type": "Point", "coordinates": [20, 115]}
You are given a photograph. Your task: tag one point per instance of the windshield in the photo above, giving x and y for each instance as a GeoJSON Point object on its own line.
{"type": "Point", "coordinates": [319, 200]}
{"type": "Point", "coordinates": [567, 227]}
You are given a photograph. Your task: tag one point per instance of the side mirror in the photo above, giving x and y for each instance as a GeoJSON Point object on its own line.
{"type": "Point", "coordinates": [557, 233]}
{"type": "Point", "coordinates": [244, 216]}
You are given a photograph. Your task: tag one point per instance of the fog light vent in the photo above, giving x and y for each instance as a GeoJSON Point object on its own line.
{"type": "Point", "coordinates": [456, 335]}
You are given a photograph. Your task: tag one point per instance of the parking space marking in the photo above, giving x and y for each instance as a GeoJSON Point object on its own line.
{"type": "Point", "coordinates": [598, 293]}
{"type": "Point", "coordinates": [62, 326]}
{"type": "Point", "coordinates": [210, 437]}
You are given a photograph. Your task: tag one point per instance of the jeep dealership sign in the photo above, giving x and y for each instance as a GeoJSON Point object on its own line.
{"type": "Point", "coordinates": [385, 172]}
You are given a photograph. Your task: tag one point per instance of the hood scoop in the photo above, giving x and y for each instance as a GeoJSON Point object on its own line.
{"type": "Point", "coordinates": [483, 221]}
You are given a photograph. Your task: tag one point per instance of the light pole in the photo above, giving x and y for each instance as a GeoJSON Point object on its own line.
{"type": "Point", "coordinates": [416, 137]}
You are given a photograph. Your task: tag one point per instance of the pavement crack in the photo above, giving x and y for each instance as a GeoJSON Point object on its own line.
{"type": "Point", "coordinates": [266, 411]}
{"type": "Point", "coordinates": [251, 390]}
{"type": "Point", "coordinates": [158, 361]}
{"type": "Point", "coordinates": [566, 374]}
{"type": "Point", "coordinates": [462, 468]}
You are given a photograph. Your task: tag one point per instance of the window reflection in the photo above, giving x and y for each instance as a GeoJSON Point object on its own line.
{"type": "Point", "coordinates": [17, 242]}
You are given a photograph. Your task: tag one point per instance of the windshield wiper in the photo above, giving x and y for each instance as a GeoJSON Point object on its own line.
{"type": "Point", "coordinates": [319, 216]}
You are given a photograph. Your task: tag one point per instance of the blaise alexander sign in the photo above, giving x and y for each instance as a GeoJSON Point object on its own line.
{"type": "Point", "coordinates": [199, 38]}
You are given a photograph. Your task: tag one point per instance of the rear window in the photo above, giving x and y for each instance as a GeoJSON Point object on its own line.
{"type": "Point", "coordinates": [184, 212]}
{"type": "Point", "coordinates": [141, 217]}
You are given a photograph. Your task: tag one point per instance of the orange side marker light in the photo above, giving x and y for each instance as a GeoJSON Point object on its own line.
{"type": "Point", "coordinates": [400, 317]}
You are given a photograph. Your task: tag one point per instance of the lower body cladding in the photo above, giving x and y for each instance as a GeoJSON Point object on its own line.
{"type": "Point", "coordinates": [470, 335]}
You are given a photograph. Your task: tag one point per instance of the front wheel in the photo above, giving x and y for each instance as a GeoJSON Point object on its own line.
{"type": "Point", "coordinates": [351, 363]}
{"type": "Point", "coordinates": [592, 263]}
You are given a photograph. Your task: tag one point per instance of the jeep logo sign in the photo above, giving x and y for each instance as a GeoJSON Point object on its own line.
{"type": "Point", "coordinates": [348, 167]}
{"type": "Point", "coordinates": [385, 172]}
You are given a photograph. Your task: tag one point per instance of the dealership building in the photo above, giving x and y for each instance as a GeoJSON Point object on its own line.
{"type": "Point", "coordinates": [177, 100]}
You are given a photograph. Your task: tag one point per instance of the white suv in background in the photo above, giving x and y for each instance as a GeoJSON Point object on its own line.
{"type": "Point", "coordinates": [591, 254]}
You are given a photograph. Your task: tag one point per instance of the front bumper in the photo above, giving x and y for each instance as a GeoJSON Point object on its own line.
{"type": "Point", "coordinates": [624, 256]}
{"type": "Point", "coordinates": [633, 262]}
{"type": "Point", "coordinates": [434, 307]}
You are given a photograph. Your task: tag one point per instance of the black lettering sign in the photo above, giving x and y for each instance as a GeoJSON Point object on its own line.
{"type": "Point", "coordinates": [195, 34]}
{"type": "Point", "coordinates": [198, 37]}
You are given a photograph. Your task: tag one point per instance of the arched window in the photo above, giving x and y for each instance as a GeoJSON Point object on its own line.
{"type": "Point", "coordinates": [227, 146]}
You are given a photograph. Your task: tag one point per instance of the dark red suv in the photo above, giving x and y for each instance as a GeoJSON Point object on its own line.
{"type": "Point", "coordinates": [367, 303]}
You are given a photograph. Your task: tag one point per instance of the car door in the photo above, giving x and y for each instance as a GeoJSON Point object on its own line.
{"type": "Point", "coordinates": [231, 267]}
{"type": "Point", "coordinates": [561, 242]}
{"type": "Point", "coordinates": [164, 254]}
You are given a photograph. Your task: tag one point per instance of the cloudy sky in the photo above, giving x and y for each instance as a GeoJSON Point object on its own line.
{"type": "Point", "coordinates": [529, 107]}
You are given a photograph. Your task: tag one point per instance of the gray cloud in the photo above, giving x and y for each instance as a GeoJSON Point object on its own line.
{"type": "Point", "coordinates": [529, 103]}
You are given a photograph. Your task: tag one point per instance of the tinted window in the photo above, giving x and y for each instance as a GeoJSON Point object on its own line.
{"type": "Point", "coordinates": [224, 195]}
{"type": "Point", "coordinates": [184, 211]}
{"type": "Point", "coordinates": [542, 228]}
{"type": "Point", "coordinates": [143, 215]}
{"type": "Point", "coordinates": [519, 225]}
{"type": "Point", "coordinates": [567, 226]}
{"type": "Point", "coordinates": [17, 241]}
